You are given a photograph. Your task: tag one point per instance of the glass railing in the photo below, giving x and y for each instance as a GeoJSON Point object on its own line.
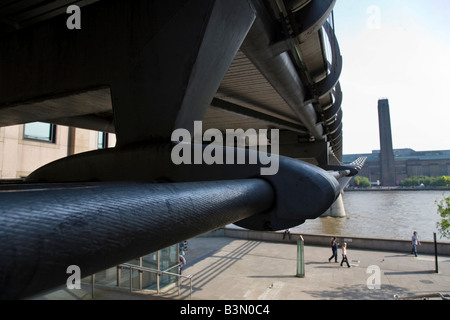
{"type": "Point", "coordinates": [138, 278]}
{"type": "Point", "coordinates": [160, 280]}
{"type": "Point", "coordinates": [154, 272]}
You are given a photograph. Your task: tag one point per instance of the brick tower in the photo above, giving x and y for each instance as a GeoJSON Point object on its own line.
{"type": "Point", "coordinates": [386, 148]}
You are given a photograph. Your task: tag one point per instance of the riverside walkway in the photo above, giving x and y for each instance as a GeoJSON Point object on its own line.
{"type": "Point", "coordinates": [226, 268]}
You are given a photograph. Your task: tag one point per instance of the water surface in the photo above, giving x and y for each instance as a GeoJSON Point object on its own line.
{"type": "Point", "coordinates": [382, 214]}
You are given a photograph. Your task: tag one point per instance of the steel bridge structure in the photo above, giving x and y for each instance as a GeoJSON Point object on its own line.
{"type": "Point", "coordinates": [142, 69]}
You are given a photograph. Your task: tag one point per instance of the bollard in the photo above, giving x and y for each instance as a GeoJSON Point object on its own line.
{"type": "Point", "coordinates": [435, 253]}
{"type": "Point", "coordinates": [300, 258]}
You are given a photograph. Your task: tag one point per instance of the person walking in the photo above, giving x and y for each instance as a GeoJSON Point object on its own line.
{"type": "Point", "coordinates": [415, 242]}
{"type": "Point", "coordinates": [287, 232]}
{"type": "Point", "coordinates": [182, 263]}
{"type": "Point", "coordinates": [344, 254]}
{"type": "Point", "coordinates": [334, 250]}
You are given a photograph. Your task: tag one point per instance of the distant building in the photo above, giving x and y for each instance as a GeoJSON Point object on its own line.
{"type": "Point", "coordinates": [388, 166]}
{"type": "Point", "coordinates": [407, 162]}
{"type": "Point", "coordinates": [387, 162]}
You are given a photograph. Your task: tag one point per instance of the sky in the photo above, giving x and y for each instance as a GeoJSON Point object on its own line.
{"type": "Point", "coordinates": [399, 50]}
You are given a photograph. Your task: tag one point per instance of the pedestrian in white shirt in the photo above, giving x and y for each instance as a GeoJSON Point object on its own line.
{"type": "Point", "coordinates": [344, 254]}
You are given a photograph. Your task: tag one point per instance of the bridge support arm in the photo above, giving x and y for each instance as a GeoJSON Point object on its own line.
{"type": "Point", "coordinates": [44, 230]}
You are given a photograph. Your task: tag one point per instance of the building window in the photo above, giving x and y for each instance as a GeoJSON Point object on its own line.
{"type": "Point", "coordinates": [40, 131]}
{"type": "Point", "coordinates": [102, 140]}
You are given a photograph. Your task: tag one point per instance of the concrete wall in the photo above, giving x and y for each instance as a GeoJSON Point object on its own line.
{"type": "Point", "coordinates": [394, 245]}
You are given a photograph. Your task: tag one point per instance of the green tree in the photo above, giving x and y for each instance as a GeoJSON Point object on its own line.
{"type": "Point", "coordinates": [361, 182]}
{"type": "Point", "coordinates": [443, 181]}
{"type": "Point", "coordinates": [443, 226]}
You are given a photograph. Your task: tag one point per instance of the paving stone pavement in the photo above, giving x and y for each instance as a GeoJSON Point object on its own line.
{"type": "Point", "coordinates": [236, 269]}
{"type": "Point", "coordinates": [226, 268]}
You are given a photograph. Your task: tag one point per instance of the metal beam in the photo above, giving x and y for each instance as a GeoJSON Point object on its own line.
{"type": "Point", "coordinates": [232, 107]}
{"type": "Point", "coordinates": [288, 177]}
{"type": "Point", "coordinates": [330, 81]}
{"type": "Point", "coordinates": [279, 70]}
{"type": "Point", "coordinates": [311, 17]}
{"type": "Point", "coordinates": [45, 230]}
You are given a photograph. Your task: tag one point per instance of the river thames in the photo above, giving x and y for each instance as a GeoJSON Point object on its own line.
{"type": "Point", "coordinates": [382, 214]}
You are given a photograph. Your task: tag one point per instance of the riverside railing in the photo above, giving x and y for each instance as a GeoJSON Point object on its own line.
{"type": "Point", "coordinates": [158, 275]}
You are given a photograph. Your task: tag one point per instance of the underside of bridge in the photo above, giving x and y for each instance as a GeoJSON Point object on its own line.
{"type": "Point", "coordinates": [143, 69]}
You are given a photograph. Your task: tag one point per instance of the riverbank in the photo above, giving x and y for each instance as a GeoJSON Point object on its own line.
{"type": "Point", "coordinates": [397, 188]}
{"type": "Point", "coordinates": [225, 268]}
{"type": "Point", "coordinates": [234, 269]}
{"type": "Point", "coordinates": [365, 243]}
